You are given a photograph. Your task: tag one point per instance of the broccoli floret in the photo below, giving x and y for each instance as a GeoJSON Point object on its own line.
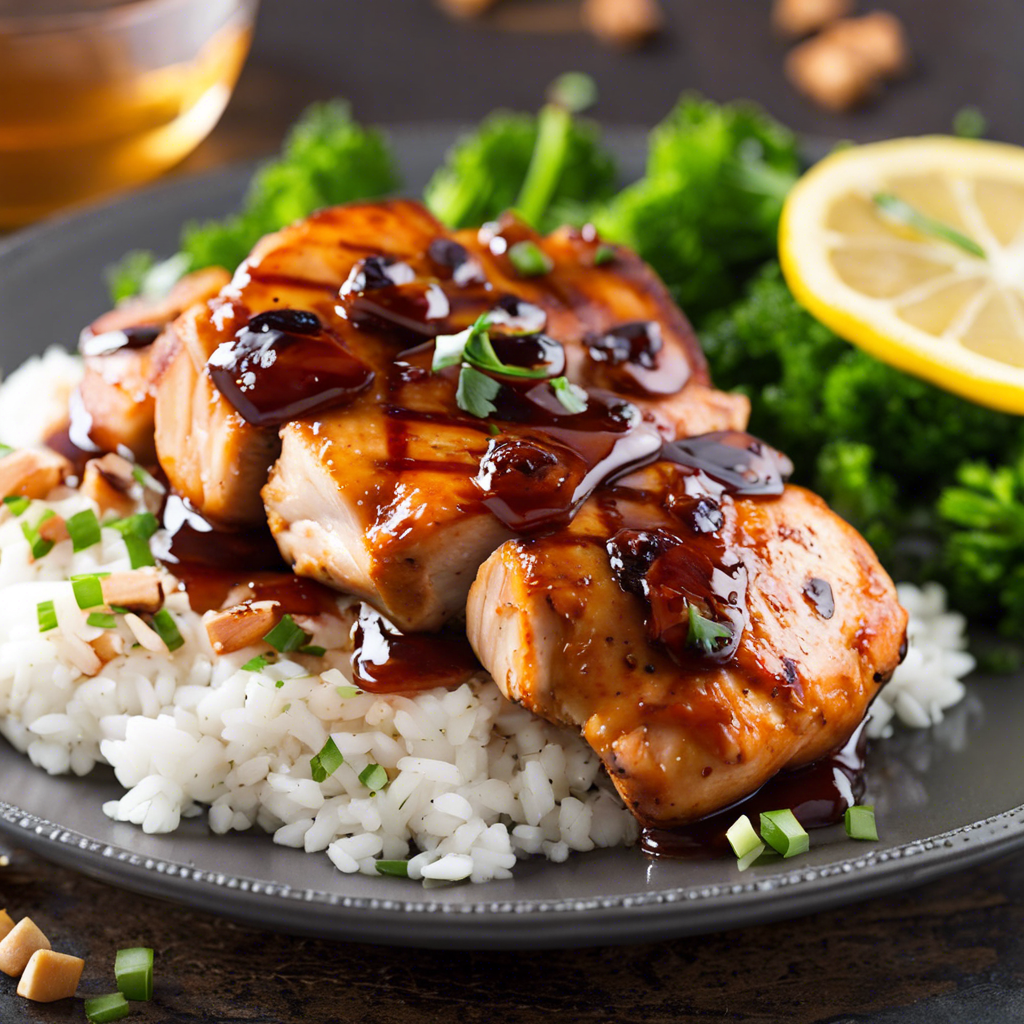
{"type": "Point", "coordinates": [708, 208]}
{"type": "Point", "coordinates": [327, 159]}
{"type": "Point", "coordinates": [984, 550]}
{"type": "Point", "coordinates": [485, 171]}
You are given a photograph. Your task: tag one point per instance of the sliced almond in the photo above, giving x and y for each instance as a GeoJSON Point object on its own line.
{"type": "Point", "coordinates": [32, 474]}
{"type": "Point", "coordinates": [17, 947]}
{"type": "Point", "coordinates": [245, 624]}
{"type": "Point", "coordinates": [147, 637]}
{"type": "Point", "coordinates": [136, 590]}
{"type": "Point", "coordinates": [50, 976]}
{"type": "Point", "coordinates": [107, 646]}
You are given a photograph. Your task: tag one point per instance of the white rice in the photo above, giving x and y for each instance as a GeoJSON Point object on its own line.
{"type": "Point", "coordinates": [475, 783]}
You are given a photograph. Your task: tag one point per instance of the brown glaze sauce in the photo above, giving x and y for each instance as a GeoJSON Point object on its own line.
{"type": "Point", "coordinates": [818, 794]}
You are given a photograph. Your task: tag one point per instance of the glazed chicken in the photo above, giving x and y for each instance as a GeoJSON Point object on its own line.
{"type": "Point", "coordinates": [374, 471]}
{"type": "Point", "coordinates": [702, 625]}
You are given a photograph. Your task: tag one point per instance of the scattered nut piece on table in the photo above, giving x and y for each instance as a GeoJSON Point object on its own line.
{"type": "Point", "coordinates": [878, 38]}
{"type": "Point", "coordinates": [18, 945]}
{"type": "Point", "coordinates": [625, 23]}
{"type": "Point", "coordinates": [50, 976]}
{"type": "Point", "coordinates": [798, 18]}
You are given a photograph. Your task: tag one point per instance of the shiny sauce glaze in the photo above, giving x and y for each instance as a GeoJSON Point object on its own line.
{"type": "Point", "coordinates": [818, 794]}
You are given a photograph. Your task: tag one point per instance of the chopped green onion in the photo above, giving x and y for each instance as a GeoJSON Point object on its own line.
{"type": "Point", "coordinates": [374, 777]}
{"type": "Point", "coordinates": [313, 650]}
{"type": "Point", "coordinates": [279, 684]}
{"type": "Point", "coordinates": [101, 620]}
{"type": "Point", "coordinates": [346, 692]}
{"type": "Point", "coordinates": [753, 857]}
{"type": "Point", "coordinates": [17, 504]}
{"type": "Point", "coordinates": [704, 633]}
{"type": "Point", "coordinates": [84, 529]}
{"type": "Point", "coordinates": [286, 709]}
{"type": "Point", "coordinates": [287, 636]}
{"type": "Point", "coordinates": [47, 615]}
{"type": "Point", "coordinates": [572, 396]}
{"type": "Point", "coordinates": [167, 629]}
{"type": "Point", "coordinates": [101, 1009]}
{"type": "Point", "coordinates": [397, 868]}
{"type": "Point", "coordinates": [146, 479]}
{"type": "Point", "coordinates": [903, 213]}
{"type": "Point", "coordinates": [119, 610]}
{"type": "Point", "coordinates": [327, 762]}
{"type": "Point", "coordinates": [476, 392]}
{"type": "Point", "coordinates": [136, 531]}
{"type": "Point", "coordinates": [783, 833]}
{"type": "Point", "coordinates": [479, 352]}
{"type": "Point", "coordinates": [860, 822]}
{"type": "Point", "coordinates": [449, 348]}
{"type": "Point", "coordinates": [969, 123]}
{"type": "Point", "coordinates": [257, 664]}
{"type": "Point", "coordinates": [603, 255]}
{"type": "Point", "coordinates": [133, 969]}
{"type": "Point", "coordinates": [40, 547]}
{"type": "Point", "coordinates": [5, 449]}
{"type": "Point", "coordinates": [88, 589]}
{"type": "Point", "coordinates": [742, 837]}
{"type": "Point", "coordinates": [529, 259]}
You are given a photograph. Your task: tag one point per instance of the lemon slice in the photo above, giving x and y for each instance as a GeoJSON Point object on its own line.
{"type": "Point", "coordinates": [914, 250]}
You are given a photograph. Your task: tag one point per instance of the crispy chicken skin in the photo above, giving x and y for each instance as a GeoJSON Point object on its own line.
{"type": "Point", "coordinates": [683, 734]}
{"type": "Point", "coordinates": [116, 393]}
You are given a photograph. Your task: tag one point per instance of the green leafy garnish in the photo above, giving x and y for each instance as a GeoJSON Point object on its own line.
{"type": "Point", "coordinates": [327, 762]}
{"type": "Point", "coordinates": [603, 255]}
{"type": "Point", "coordinates": [88, 589]}
{"type": "Point", "coordinates": [572, 396]}
{"type": "Point", "coordinates": [704, 633]}
{"type": "Point", "coordinates": [783, 833]}
{"type": "Point", "coordinates": [167, 629]}
{"type": "Point", "coordinates": [103, 1009]}
{"type": "Point", "coordinates": [84, 529]}
{"type": "Point", "coordinates": [313, 650]}
{"type": "Point", "coordinates": [860, 822]}
{"type": "Point", "coordinates": [136, 531]}
{"type": "Point", "coordinates": [374, 777]}
{"type": "Point", "coordinates": [900, 212]}
{"type": "Point", "coordinates": [101, 620]}
{"type": "Point", "coordinates": [17, 504]}
{"type": "Point", "coordinates": [476, 392]}
{"type": "Point", "coordinates": [395, 868]}
{"type": "Point", "coordinates": [287, 636]}
{"type": "Point", "coordinates": [39, 545]}
{"type": "Point", "coordinates": [133, 969]}
{"type": "Point", "coordinates": [346, 692]}
{"type": "Point", "coordinates": [47, 616]}
{"type": "Point", "coordinates": [529, 259]}
{"type": "Point", "coordinates": [257, 664]}
{"type": "Point", "coordinates": [144, 478]}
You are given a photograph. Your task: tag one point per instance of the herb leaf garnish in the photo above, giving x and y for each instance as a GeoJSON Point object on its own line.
{"type": "Point", "coordinates": [572, 396]}
{"type": "Point", "coordinates": [476, 392]}
{"type": "Point", "coordinates": [704, 633]}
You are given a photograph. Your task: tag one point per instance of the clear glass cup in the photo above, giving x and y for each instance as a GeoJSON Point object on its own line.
{"type": "Point", "coordinates": [100, 95]}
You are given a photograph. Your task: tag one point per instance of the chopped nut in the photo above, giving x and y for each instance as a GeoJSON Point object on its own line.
{"type": "Point", "coordinates": [54, 529]}
{"type": "Point", "coordinates": [6, 924]}
{"type": "Point", "coordinates": [147, 637]}
{"type": "Point", "coordinates": [466, 8]}
{"type": "Point", "coordinates": [877, 38]}
{"type": "Point", "coordinates": [796, 18]}
{"type": "Point", "coordinates": [245, 624]}
{"type": "Point", "coordinates": [32, 474]}
{"type": "Point", "coordinates": [625, 23]}
{"type": "Point", "coordinates": [104, 487]}
{"type": "Point", "coordinates": [50, 976]}
{"type": "Point", "coordinates": [137, 591]}
{"type": "Point", "coordinates": [17, 947]}
{"type": "Point", "coordinates": [833, 76]}
{"type": "Point", "coordinates": [107, 646]}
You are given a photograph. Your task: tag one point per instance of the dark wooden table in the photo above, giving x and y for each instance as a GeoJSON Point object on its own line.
{"type": "Point", "coordinates": [952, 951]}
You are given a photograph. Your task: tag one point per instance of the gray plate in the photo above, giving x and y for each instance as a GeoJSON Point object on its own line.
{"type": "Point", "coordinates": [946, 799]}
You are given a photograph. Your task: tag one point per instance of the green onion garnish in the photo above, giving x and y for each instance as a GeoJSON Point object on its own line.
{"type": "Point", "coordinates": [257, 664]}
{"type": "Point", "coordinates": [345, 692]}
{"type": "Point", "coordinates": [17, 504]}
{"type": "Point", "coordinates": [572, 396]}
{"type": "Point", "coordinates": [704, 633]}
{"type": "Point", "coordinates": [167, 629]}
{"type": "Point", "coordinates": [476, 392]}
{"type": "Point", "coordinates": [101, 620]}
{"type": "Point", "coordinates": [279, 684]}
{"type": "Point", "coordinates": [47, 615]}
{"type": "Point", "coordinates": [146, 479]}
{"type": "Point", "coordinates": [287, 636]}
{"type": "Point", "coordinates": [133, 969]}
{"type": "Point", "coordinates": [40, 546]}
{"type": "Point", "coordinates": [88, 589]}
{"type": "Point", "coordinates": [313, 651]}
{"type": "Point", "coordinates": [101, 1009]}
{"type": "Point", "coordinates": [603, 255]}
{"type": "Point", "coordinates": [860, 822]}
{"type": "Point", "coordinates": [742, 837]}
{"type": "Point", "coordinates": [449, 348]}
{"type": "Point", "coordinates": [374, 777]}
{"type": "Point", "coordinates": [397, 868]}
{"type": "Point", "coordinates": [5, 449]}
{"type": "Point", "coordinates": [136, 531]}
{"type": "Point", "coordinates": [783, 833]}
{"type": "Point", "coordinates": [529, 259]}
{"type": "Point", "coordinates": [327, 762]}
{"type": "Point", "coordinates": [84, 529]}
{"type": "Point", "coordinates": [479, 352]}
{"type": "Point", "coordinates": [903, 213]}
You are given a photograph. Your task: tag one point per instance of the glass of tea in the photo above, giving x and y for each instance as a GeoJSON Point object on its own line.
{"type": "Point", "coordinates": [99, 95]}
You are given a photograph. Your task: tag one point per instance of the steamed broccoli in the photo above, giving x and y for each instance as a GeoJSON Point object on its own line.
{"type": "Point", "coordinates": [328, 158]}
{"type": "Point", "coordinates": [707, 210]}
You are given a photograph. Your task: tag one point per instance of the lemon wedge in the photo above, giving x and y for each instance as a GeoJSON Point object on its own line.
{"type": "Point", "coordinates": [913, 250]}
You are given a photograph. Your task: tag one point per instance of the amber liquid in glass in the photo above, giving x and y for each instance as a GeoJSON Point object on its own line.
{"type": "Point", "coordinates": [90, 109]}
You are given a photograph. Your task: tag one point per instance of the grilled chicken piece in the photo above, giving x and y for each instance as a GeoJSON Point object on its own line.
{"type": "Point", "coordinates": [591, 627]}
{"type": "Point", "coordinates": [115, 397]}
{"type": "Point", "coordinates": [399, 496]}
